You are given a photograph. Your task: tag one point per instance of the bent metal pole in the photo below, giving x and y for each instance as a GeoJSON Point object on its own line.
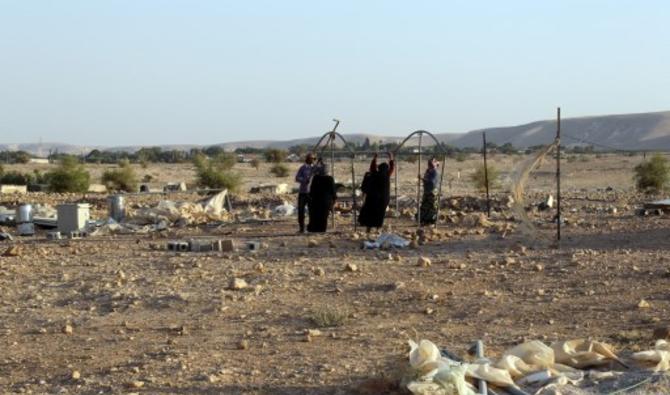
{"type": "Point", "coordinates": [418, 186]}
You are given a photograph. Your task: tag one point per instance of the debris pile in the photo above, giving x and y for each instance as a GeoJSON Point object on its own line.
{"type": "Point", "coordinates": [531, 367]}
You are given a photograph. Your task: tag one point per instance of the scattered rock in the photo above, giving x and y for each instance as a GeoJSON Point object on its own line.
{"type": "Point", "coordinates": [351, 267]}
{"type": "Point", "coordinates": [75, 375]}
{"type": "Point", "coordinates": [237, 284]}
{"type": "Point", "coordinates": [643, 304]}
{"type": "Point", "coordinates": [311, 243]}
{"type": "Point", "coordinates": [67, 329]}
{"type": "Point", "coordinates": [319, 271]}
{"type": "Point", "coordinates": [243, 345]}
{"type": "Point", "coordinates": [422, 261]}
{"type": "Point", "coordinates": [135, 384]}
{"type": "Point", "coordinates": [539, 268]}
{"type": "Point", "coordinates": [13, 251]}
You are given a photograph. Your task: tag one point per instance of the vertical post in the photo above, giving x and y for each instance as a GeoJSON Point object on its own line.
{"type": "Point", "coordinates": [558, 174]}
{"type": "Point", "coordinates": [418, 186]}
{"type": "Point", "coordinates": [439, 191]}
{"type": "Point", "coordinates": [486, 178]}
{"type": "Point", "coordinates": [353, 190]}
{"type": "Point", "coordinates": [395, 182]}
{"type": "Point", "coordinates": [332, 172]}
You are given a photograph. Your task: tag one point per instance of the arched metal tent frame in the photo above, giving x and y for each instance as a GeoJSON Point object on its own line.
{"type": "Point", "coordinates": [332, 136]}
{"type": "Point", "coordinates": [420, 133]}
{"type": "Point", "coordinates": [328, 141]}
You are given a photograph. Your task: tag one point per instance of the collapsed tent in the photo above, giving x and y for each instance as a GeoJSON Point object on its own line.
{"type": "Point", "coordinates": [183, 213]}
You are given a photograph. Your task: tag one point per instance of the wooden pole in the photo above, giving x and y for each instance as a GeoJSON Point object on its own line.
{"type": "Point", "coordinates": [397, 170]}
{"type": "Point", "coordinates": [439, 192]}
{"type": "Point", "coordinates": [558, 174]}
{"type": "Point", "coordinates": [418, 186]}
{"type": "Point", "coordinates": [353, 191]}
{"type": "Point", "coordinates": [486, 178]}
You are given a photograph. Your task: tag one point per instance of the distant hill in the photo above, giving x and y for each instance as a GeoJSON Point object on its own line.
{"type": "Point", "coordinates": [643, 131]}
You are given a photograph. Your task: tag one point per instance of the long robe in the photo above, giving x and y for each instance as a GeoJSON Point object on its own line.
{"type": "Point", "coordinates": [377, 189]}
{"type": "Point", "coordinates": [322, 198]}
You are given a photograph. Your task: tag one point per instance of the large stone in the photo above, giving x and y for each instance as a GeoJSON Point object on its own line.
{"type": "Point", "coordinates": [237, 284]}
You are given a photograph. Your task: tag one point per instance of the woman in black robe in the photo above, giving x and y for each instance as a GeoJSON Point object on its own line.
{"type": "Point", "coordinates": [377, 189]}
{"type": "Point", "coordinates": [429, 200]}
{"type": "Point", "coordinates": [322, 199]}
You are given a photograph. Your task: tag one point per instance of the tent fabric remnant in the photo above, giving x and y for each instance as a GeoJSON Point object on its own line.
{"type": "Point", "coordinates": [519, 180]}
{"type": "Point", "coordinates": [387, 240]}
{"type": "Point", "coordinates": [658, 358]}
{"type": "Point", "coordinates": [187, 213]}
{"type": "Point", "coordinates": [532, 364]}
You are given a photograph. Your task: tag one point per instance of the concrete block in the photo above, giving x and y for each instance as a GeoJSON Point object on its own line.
{"type": "Point", "coordinates": [227, 245]}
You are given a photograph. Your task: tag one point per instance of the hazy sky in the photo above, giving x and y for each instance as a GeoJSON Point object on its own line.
{"type": "Point", "coordinates": [204, 72]}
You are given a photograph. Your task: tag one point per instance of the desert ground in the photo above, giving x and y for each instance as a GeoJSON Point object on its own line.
{"type": "Point", "coordinates": [319, 314]}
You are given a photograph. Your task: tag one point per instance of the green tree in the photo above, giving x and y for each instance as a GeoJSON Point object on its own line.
{"type": "Point", "coordinates": [274, 155]}
{"type": "Point", "coordinates": [121, 179]}
{"type": "Point", "coordinates": [652, 175]}
{"type": "Point", "coordinates": [215, 175]}
{"type": "Point", "coordinates": [478, 178]}
{"type": "Point", "coordinates": [70, 176]}
{"type": "Point", "coordinates": [279, 170]}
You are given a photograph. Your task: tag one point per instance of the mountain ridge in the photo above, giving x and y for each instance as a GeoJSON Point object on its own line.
{"type": "Point", "coordinates": [635, 131]}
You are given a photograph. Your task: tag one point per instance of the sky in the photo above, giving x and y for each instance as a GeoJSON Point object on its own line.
{"type": "Point", "coordinates": [150, 72]}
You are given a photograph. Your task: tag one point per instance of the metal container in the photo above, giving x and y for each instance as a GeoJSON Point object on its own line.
{"type": "Point", "coordinates": [24, 220]}
{"type": "Point", "coordinates": [117, 208]}
{"type": "Point", "coordinates": [72, 217]}
{"type": "Point", "coordinates": [25, 229]}
{"type": "Point", "coordinates": [24, 214]}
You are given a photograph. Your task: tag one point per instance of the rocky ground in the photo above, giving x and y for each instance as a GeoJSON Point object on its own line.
{"type": "Point", "coordinates": [318, 314]}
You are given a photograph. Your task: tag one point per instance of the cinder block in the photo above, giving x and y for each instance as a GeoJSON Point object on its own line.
{"type": "Point", "coordinates": [54, 236]}
{"type": "Point", "coordinates": [253, 245]}
{"type": "Point", "coordinates": [227, 245]}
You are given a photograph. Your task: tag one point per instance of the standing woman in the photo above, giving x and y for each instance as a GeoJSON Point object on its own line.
{"type": "Point", "coordinates": [377, 189]}
{"type": "Point", "coordinates": [429, 200]}
{"type": "Point", "coordinates": [322, 197]}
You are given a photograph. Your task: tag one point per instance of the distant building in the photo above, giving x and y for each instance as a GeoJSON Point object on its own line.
{"type": "Point", "coordinates": [39, 161]}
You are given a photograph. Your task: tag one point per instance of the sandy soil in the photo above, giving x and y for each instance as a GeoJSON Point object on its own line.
{"type": "Point", "coordinates": [146, 320]}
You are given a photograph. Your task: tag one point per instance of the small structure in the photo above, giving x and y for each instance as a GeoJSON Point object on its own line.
{"type": "Point", "coordinates": [11, 189]}
{"type": "Point", "coordinates": [175, 187]}
{"type": "Point", "coordinates": [39, 161]}
{"type": "Point", "coordinates": [72, 217]}
{"type": "Point", "coordinates": [97, 188]}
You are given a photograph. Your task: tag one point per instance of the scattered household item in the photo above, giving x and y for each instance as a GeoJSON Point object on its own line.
{"type": "Point", "coordinates": [6, 215]}
{"type": "Point", "coordinates": [658, 205]}
{"type": "Point", "coordinates": [275, 189]}
{"type": "Point", "coordinates": [73, 217]}
{"type": "Point", "coordinates": [117, 208]}
{"type": "Point", "coordinates": [6, 236]}
{"type": "Point", "coordinates": [24, 220]}
{"type": "Point", "coordinates": [175, 187]}
{"type": "Point", "coordinates": [387, 240]}
{"type": "Point", "coordinates": [284, 210]}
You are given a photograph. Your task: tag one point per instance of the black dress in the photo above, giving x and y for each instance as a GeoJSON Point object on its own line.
{"type": "Point", "coordinates": [377, 189]}
{"type": "Point", "coordinates": [322, 198]}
